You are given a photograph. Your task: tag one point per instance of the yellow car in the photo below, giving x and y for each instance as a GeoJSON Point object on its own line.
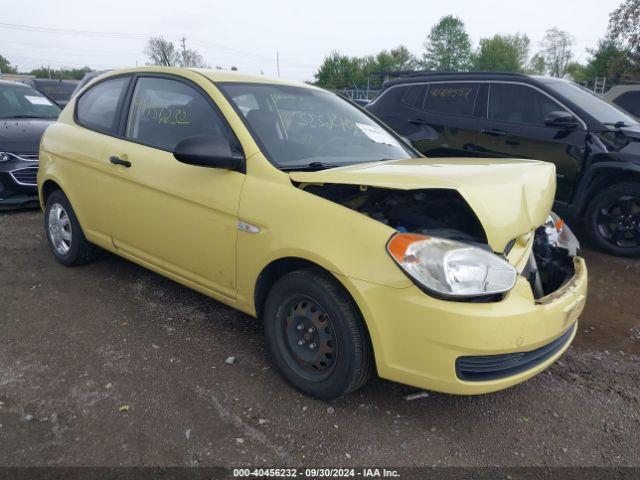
{"type": "Point", "coordinates": [297, 207]}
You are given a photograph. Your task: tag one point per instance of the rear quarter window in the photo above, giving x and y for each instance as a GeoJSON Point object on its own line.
{"type": "Point", "coordinates": [451, 98]}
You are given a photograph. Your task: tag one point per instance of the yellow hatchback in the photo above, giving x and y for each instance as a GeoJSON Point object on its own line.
{"type": "Point", "coordinates": [295, 206]}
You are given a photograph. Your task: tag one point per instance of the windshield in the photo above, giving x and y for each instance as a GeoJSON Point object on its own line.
{"type": "Point", "coordinates": [20, 101]}
{"type": "Point", "coordinates": [301, 127]}
{"type": "Point", "coordinates": [596, 106]}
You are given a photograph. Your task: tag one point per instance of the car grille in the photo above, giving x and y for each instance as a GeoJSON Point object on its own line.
{"type": "Point", "coordinates": [31, 157]}
{"type": "Point", "coordinates": [493, 367]}
{"type": "Point", "coordinates": [26, 176]}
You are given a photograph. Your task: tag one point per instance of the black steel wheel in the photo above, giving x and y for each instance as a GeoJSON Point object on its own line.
{"type": "Point", "coordinates": [613, 219]}
{"type": "Point", "coordinates": [309, 337]}
{"type": "Point", "coordinates": [316, 335]}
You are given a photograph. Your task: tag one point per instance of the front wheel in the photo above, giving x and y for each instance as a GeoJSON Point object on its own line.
{"type": "Point", "coordinates": [612, 219]}
{"type": "Point", "coordinates": [316, 335]}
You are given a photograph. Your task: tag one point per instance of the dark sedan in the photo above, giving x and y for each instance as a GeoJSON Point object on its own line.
{"type": "Point", "coordinates": [25, 113]}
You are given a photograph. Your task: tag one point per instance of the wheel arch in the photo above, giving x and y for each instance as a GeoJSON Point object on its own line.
{"type": "Point", "coordinates": [279, 267]}
{"type": "Point", "coordinates": [603, 175]}
{"type": "Point", "coordinates": [48, 187]}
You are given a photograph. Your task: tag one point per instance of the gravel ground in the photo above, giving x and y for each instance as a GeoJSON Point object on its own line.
{"type": "Point", "coordinates": [110, 364]}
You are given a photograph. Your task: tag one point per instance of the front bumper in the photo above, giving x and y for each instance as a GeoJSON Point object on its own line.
{"type": "Point", "coordinates": [417, 339]}
{"type": "Point", "coordinates": [18, 187]}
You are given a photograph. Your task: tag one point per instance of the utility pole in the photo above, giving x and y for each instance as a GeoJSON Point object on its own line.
{"type": "Point", "coordinates": [278, 62]}
{"type": "Point", "coordinates": [183, 41]}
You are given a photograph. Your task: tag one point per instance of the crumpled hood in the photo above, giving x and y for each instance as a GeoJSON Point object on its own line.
{"type": "Point", "coordinates": [511, 197]}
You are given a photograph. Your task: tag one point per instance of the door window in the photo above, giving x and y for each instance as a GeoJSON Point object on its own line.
{"type": "Point", "coordinates": [509, 102]}
{"type": "Point", "coordinates": [165, 111]}
{"type": "Point", "coordinates": [97, 108]}
{"type": "Point", "coordinates": [451, 98]}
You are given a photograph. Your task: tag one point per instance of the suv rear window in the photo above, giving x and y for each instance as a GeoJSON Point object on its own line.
{"type": "Point", "coordinates": [413, 95]}
{"type": "Point", "coordinates": [451, 98]}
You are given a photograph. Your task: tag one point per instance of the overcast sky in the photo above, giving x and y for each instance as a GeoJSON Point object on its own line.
{"type": "Point", "coordinates": [248, 34]}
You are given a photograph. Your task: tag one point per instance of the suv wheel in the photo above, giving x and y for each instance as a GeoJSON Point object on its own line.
{"type": "Point", "coordinates": [316, 336]}
{"type": "Point", "coordinates": [66, 239]}
{"type": "Point", "coordinates": [612, 219]}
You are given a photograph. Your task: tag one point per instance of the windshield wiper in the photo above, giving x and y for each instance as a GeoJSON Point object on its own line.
{"type": "Point", "coordinates": [312, 166]}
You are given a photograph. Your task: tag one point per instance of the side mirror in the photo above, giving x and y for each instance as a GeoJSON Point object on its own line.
{"type": "Point", "coordinates": [561, 119]}
{"type": "Point", "coordinates": [211, 151]}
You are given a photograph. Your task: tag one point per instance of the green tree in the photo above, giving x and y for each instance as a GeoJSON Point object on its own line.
{"type": "Point", "coordinates": [537, 65]}
{"type": "Point", "coordinates": [448, 47]}
{"type": "Point", "coordinates": [624, 27]}
{"type": "Point", "coordinates": [6, 67]}
{"type": "Point", "coordinates": [608, 59]}
{"type": "Point", "coordinates": [60, 73]}
{"type": "Point", "coordinates": [504, 53]}
{"type": "Point", "coordinates": [339, 71]}
{"type": "Point", "coordinates": [556, 51]}
{"type": "Point", "coordinates": [624, 24]}
{"type": "Point", "coordinates": [577, 72]}
{"type": "Point", "coordinates": [399, 58]}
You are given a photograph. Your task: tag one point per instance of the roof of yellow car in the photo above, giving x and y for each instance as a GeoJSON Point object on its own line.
{"type": "Point", "coordinates": [214, 75]}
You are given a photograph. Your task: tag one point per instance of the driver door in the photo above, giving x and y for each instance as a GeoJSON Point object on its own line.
{"type": "Point", "coordinates": [176, 217]}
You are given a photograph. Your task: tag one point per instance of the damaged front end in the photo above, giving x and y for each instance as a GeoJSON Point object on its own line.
{"type": "Point", "coordinates": [551, 265]}
{"type": "Point", "coordinates": [442, 246]}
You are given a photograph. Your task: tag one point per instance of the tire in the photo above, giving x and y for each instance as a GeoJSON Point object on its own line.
{"type": "Point", "coordinates": [66, 239]}
{"type": "Point", "coordinates": [612, 219]}
{"type": "Point", "coordinates": [314, 299]}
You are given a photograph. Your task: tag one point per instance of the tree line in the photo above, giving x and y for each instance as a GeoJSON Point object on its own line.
{"type": "Point", "coordinates": [448, 47]}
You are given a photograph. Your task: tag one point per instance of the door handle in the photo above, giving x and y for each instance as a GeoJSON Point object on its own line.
{"type": "Point", "coordinates": [494, 132]}
{"type": "Point", "coordinates": [418, 121]}
{"type": "Point", "coordinates": [118, 161]}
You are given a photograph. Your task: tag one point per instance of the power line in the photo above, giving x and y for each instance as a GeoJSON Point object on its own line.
{"type": "Point", "coordinates": [65, 31]}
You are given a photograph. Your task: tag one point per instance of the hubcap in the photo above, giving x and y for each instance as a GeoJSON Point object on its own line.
{"type": "Point", "coordinates": [59, 229]}
{"type": "Point", "coordinates": [310, 338]}
{"type": "Point", "coordinates": [619, 223]}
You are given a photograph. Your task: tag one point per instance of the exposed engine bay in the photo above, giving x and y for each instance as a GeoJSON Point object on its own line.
{"type": "Point", "coordinates": [437, 212]}
{"type": "Point", "coordinates": [551, 263]}
{"type": "Point", "coordinates": [444, 213]}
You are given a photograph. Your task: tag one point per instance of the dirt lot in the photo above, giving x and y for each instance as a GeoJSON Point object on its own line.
{"type": "Point", "coordinates": [77, 345]}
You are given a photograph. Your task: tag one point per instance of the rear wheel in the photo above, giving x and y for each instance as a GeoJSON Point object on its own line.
{"type": "Point", "coordinates": [316, 336]}
{"type": "Point", "coordinates": [612, 219]}
{"type": "Point", "coordinates": [66, 239]}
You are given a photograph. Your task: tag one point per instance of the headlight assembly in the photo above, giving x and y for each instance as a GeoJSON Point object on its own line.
{"type": "Point", "coordinates": [5, 156]}
{"type": "Point", "coordinates": [560, 235]}
{"type": "Point", "coordinates": [451, 269]}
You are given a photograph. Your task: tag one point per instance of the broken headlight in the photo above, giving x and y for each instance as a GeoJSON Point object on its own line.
{"type": "Point", "coordinates": [560, 235]}
{"type": "Point", "coordinates": [449, 268]}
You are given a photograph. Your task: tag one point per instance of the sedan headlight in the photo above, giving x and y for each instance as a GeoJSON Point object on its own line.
{"type": "Point", "coordinates": [449, 268]}
{"type": "Point", "coordinates": [4, 156]}
{"type": "Point", "coordinates": [560, 235]}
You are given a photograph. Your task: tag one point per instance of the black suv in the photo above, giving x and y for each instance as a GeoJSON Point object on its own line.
{"type": "Point", "coordinates": [594, 145]}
